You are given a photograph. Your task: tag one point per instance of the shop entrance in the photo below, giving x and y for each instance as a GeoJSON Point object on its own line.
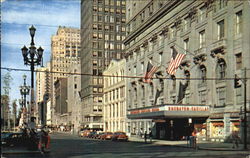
{"type": "Point", "coordinates": [176, 129]}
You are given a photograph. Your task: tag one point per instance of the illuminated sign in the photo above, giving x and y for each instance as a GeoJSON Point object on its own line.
{"type": "Point", "coordinates": [169, 108]}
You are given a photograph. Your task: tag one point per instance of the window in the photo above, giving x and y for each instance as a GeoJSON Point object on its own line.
{"type": "Point", "coordinates": [160, 57]}
{"type": "Point", "coordinates": [118, 3]}
{"type": "Point", "coordinates": [187, 77]}
{"type": "Point", "coordinates": [202, 97]}
{"type": "Point", "coordinates": [142, 66]}
{"type": "Point", "coordinates": [238, 96]}
{"type": "Point", "coordinates": [143, 92]}
{"type": "Point", "coordinates": [202, 39]}
{"type": "Point", "coordinates": [94, 35]}
{"type": "Point", "coordinates": [135, 70]}
{"type": "Point", "coordinates": [151, 8]}
{"type": "Point", "coordinates": [173, 99]}
{"type": "Point", "coordinates": [202, 14]}
{"type": "Point", "coordinates": [100, 18]}
{"type": "Point", "coordinates": [174, 82]}
{"type": "Point", "coordinates": [94, 80]}
{"type": "Point", "coordinates": [186, 24]}
{"type": "Point", "coordinates": [238, 61]}
{"type": "Point", "coordinates": [238, 23]}
{"type": "Point", "coordinates": [100, 36]}
{"type": "Point", "coordinates": [172, 32]}
{"type": "Point", "coordinates": [221, 96]}
{"type": "Point", "coordinates": [220, 26]}
{"type": "Point", "coordinates": [151, 90]}
{"type": "Point", "coordinates": [221, 68]}
{"type": "Point", "coordinates": [142, 16]}
{"type": "Point", "coordinates": [203, 71]}
{"type": "Point", "coordinates": [186, 44]}
{"type": "Point", "coordinates": [95, 26]}
{"type": "Point", "coordinates": [95, 18]}
{"type": "Point", "coordinates": [222, 4]}
{"type": "Point", "coordinates": [95, 90]}
{"type": "Point", "coordinates": [106, 18]}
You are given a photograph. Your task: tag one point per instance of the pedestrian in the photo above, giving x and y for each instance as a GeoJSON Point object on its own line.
{"type": "Point", "coordinates": [145, 136]}
{"type": "Point", "coordinates": [235, 138]}
{"type": "Point", "coordinates": [150, 135]}
{"type": "Point", "coordinates": [141, 132]}
{"type": "Point", "coordinates": [193, 139]}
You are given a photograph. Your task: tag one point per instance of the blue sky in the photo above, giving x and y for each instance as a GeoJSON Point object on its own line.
{"type": "Point", "coordinates": [16, 18]}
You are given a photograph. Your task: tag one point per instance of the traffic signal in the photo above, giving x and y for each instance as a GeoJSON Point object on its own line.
{"type": "Point", "coordinates": [237, 82]}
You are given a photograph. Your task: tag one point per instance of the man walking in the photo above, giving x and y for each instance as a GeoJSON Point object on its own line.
{"type": "Point", "coordinates": [150, 135]}
{"type": "Point", "coordinates": [145, 136]}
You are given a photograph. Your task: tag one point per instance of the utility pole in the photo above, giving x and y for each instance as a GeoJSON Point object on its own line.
{"type": "Point", "coordinates": [245, 109]}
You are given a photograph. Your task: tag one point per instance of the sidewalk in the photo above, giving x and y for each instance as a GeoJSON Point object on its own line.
{"type": "Point", "coordinates": [201, 145]}
{"type": "Point", "coordinates": [21, 150]}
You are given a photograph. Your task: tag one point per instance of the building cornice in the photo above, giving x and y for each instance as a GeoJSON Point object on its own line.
{"type": "Point", "coordinates": [168, 7]}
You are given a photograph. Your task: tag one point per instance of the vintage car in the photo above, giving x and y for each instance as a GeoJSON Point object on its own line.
{"type": "Point", "coordinates": [106, 136]}
{"type": "Point", "coordinates": [12, 139]}
{"type": "Point", "coordinates": [121, 136]}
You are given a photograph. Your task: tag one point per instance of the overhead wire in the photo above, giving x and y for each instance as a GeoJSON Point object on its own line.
{"type": "Point", "coordinates": [112, 76]}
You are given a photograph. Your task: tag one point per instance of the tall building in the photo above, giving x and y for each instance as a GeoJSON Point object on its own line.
{"type": "Point", "coordinates": [74, 99]}
{"type": "Point", "coordinates": [114, 108]}
{"type": "Point", "coordinates": [65, 50]}
{"type": "Point", "coordinates": [42, 87]}
{"type": "Point", "coordinates": [201, 95]}
{"type": "Point", "coordinates": [102, 32]}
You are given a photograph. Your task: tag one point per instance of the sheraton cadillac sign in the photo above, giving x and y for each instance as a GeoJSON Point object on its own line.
{"type": "Point", "coordinates": [169, 108]}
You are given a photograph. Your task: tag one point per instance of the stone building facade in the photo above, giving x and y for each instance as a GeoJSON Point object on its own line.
{"type": "Point", "coordinates": [114, 108]}
{"type": "Point", "coordinates": [102, 32]}
{"type": "Point", "coordinates": [74, 100]}
{"type": "Point", "coordinates": [65, 50]}
{"type": "Point", "coordinates": [42, 90]}
{"type": "Point", "coordinates": [61, 102]}
{"type": "Point", "coordinates": [215, 37]}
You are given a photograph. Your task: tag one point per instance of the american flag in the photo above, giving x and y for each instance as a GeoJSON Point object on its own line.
{"type": "Point", "coordinates": [175, 62]}
{"type": "Point", "coordinates": [151, 69]}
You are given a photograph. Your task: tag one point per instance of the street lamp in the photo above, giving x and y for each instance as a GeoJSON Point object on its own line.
{"type": "Point", "coordinates": [24, 90]}
{"type": "Point", "coordinates": [32, 57]}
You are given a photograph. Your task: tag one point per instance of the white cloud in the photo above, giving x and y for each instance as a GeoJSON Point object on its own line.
{"type": "Point", "coordinates": [55, 14]}
{"type": "Point", "coordinates": [45, 16]}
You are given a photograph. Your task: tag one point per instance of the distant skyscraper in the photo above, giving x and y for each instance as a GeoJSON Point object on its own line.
{"type": "Point", "coordinates": [102, 32]}
{"type": "Point", "coordinates": [42, 85]}
{"type": "Point", "coordinates": [65, 49]}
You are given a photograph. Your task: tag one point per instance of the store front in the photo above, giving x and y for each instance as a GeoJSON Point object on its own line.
{"type": "Point", "coordinates": [174, 122]}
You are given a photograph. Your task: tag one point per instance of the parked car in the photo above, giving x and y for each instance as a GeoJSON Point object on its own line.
{"type": "Point", "coordinates": [119, 136]}
{"type": "Point", "coordinates": [91, 134]}
{"type": "Point", "coordinates": [106, 135]}
{"type": "Point", "coordinates": [98, 136]}
{"type": "Point", "coordinates": [12, 139]}
{"type": "Point", "coordinates": [81, 133]}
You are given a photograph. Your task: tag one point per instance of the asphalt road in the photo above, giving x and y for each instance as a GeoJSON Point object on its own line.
{"type": "Point", "coordinates": [68, 146]}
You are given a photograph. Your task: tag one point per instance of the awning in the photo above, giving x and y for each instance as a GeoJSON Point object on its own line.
{"type": "Point", "coordinates": [169, 111]}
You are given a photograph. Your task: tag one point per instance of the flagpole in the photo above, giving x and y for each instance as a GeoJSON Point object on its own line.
{"type": "Point", "coordinates": [185, 50]}
{"type": "Point", "coordinates": [160, 63]}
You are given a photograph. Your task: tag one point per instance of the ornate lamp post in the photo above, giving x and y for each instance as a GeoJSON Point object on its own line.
{"type": "Point", "coordinates": [32, 57]}
{"type": "Point", "coordinates": [24, 90]}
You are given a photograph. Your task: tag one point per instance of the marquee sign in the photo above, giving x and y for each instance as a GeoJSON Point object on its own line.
{"type": "Point", "coordinates": [169, 108]}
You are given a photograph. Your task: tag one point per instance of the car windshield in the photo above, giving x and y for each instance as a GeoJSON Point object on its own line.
{"type": "Point", "coordinates": [5, 135]}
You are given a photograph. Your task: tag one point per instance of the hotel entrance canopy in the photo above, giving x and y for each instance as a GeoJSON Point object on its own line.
{"type": "Point", "coordinates": [169, 111]}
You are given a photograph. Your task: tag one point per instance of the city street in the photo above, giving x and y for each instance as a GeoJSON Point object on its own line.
{"type": "Point", "coordinates": [64, 145]}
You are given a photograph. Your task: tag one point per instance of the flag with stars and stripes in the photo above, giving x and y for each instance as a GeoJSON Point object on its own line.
{"type": "Point", "coordinates": [151, 69]}
{"type": "Point", "coordinates": [175, 62]}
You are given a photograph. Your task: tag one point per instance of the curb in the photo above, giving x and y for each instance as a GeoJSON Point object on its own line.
{"type": "Point", "coordinates": [221, 149]}
{"type": "Point", "coordinates": [22, 152]}
{"type": "Point", "coordinates": [198, 148]}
